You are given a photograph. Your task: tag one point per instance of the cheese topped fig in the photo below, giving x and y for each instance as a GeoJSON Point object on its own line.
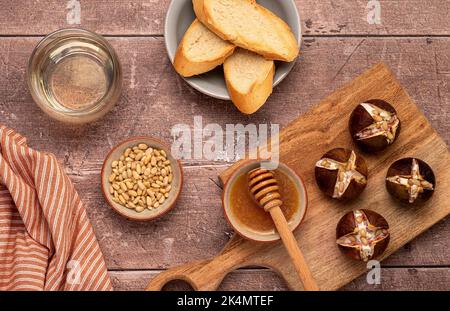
{"type": "Point", "coordinates": [411, 181]}
{"type": "Point", "coordinates": [374, 125]}
{"type": "Point", "coordinates": [341, 174]}
{"type": "Point", "coordinates": [362, 234]}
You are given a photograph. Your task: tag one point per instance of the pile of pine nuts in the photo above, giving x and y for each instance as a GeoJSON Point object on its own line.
{"type": "Point", "coordinates": [141, 178]}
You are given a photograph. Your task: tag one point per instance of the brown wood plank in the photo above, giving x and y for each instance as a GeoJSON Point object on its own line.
{"type": "Point", "coordinates": [196, 229]}
{"type": "Point", "coordinates": [146, 17]}
{"type": "Point", "coordinates": [406, 279]}
{"type": "Point", "coordinates": [34, 17]}
{"type": "Point", "coordinates": [392, 279]}
{"type": "Point", "coordinates": [398, 17]}
{"type": "Point", "coordinates": [257, 280]}
{"type": "Point", "coordinates": [153, 92]}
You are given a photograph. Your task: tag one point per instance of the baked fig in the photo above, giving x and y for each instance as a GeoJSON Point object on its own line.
{"type": "Point", "coordinates": [362, 234]}
{"type": "Point", "coordinates": [410, 181]}
{"type": "Point", "coordinates": [341, 174]}
{"type": "Point", "coordinates": [374, 125]}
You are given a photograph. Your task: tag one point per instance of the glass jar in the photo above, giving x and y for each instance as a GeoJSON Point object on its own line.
{"type": "Point", "coordinates": [74, 75]}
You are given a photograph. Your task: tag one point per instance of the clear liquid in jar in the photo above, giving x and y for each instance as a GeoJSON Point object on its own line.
{"type": "Point", "coordinates": [76, 75]}
{"type": "Point", "coordinates": [78, 82]}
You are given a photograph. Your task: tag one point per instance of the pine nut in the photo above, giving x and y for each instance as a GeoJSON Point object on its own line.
{"type": "Point", "coordinates": [112, 177]}
{"type": "Point", "coordinates": [122, 200]}
{"type": "Point", "coordinates": [141, 185]}
{"type": "Point", "coordinates": [141, 178]}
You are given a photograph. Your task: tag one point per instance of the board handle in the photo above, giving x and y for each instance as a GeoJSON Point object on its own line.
{"type": "Point", "coordinates": [207, 275]}
{"type": "Point", "coordinates": [202, 276]}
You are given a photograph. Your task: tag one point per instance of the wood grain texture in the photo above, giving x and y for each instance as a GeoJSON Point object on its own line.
{"type": "Point", "coordinates": [392, 279]}
{"type": "Point", "coordinates": [197, 229]}
{"type": "Point", "coordinates": [291, 246]}
{"type": "Point", "coordinates": [35, 17]}
{"type": "Point", "coordinates": [146, 17]}
{"type": "Point", "coordinates": [154, 91]}
{"type": "Point", "coordinates": [325, 126]}
{"type": "Point", "coordinates": [264, 189]}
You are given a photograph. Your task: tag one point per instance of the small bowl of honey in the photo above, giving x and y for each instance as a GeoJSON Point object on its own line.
{"type": "Point", "coordinates": [250, 220]}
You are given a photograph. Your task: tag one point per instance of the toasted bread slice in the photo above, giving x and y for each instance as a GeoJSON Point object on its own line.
{"type": "Point", "coordinates": [249, 79]}
{"type": "Point", "coordinates": [250, 26]}
{"type": "Point", "coordinates": [200, 51]}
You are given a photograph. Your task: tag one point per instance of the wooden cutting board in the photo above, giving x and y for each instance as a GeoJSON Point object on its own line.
{"type": "Point", "coordinates": [302, 143]}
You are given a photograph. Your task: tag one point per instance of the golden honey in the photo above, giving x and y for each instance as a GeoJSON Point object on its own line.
{"type": "Point", "coordinates": [250, 215]}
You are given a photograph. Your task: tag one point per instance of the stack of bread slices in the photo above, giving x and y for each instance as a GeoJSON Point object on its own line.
{"type": "Point", "coordinates": [246, 39]}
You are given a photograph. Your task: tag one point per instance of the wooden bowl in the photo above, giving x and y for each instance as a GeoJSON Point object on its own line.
{"type": "Point", "coordinates": [147, 214]}
{"type": "Point", "coordinates": [271, 236]}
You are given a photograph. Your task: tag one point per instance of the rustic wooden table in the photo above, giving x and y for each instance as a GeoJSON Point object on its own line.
{"type": "Point", "coordinates": [413, 39]}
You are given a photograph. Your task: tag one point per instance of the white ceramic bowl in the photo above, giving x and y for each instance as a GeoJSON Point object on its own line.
{"type": "Point", "coordinates": [179, 17]}
{"type": "Point", "coordinates": [272, 236]}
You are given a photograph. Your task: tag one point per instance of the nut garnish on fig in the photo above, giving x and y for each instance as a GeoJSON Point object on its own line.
{"type": "Point", "coordinates": [374, 125]}
{"type": "Point", "coordinates": [405, 181]}
{"type": "Point", "coordinates": [364, 239]}
{"type": "Point", "coordinates": [346, 173]}
{"type": "Point", "coordinates": [385, 124]}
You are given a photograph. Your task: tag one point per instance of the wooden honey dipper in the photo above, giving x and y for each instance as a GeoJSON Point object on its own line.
{"type": "Point", "coordinates": [263, 186]}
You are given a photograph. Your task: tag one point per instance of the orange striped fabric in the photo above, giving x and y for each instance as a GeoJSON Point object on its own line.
{"type": "Point", "coordinates": [46, 239]}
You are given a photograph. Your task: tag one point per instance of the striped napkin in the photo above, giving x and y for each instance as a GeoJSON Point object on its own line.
{"type": "Point", "coordinates": [46, 239]}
